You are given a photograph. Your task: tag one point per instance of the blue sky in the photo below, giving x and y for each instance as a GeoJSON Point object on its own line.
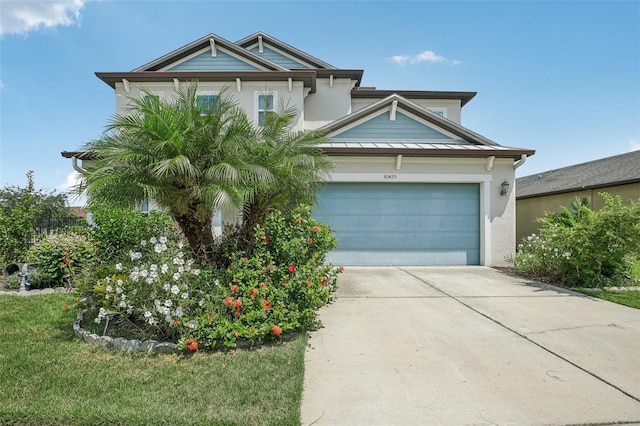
{"type": "Point", "coordinates": [562, 78]}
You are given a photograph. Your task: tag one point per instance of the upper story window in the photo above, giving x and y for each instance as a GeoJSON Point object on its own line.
{"type": "Point", "coordinates": [442, 112]}
{"type": "Point", "coordinates": [265, 105]}
{"type": "Point", "coordinates": [206, 103]}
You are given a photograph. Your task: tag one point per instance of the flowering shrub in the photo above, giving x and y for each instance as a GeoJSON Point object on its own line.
{"type": "Point", "coordinates": [59, 258]}
{"type": "Point", "coordinates": [585, 248]}
{"type": "Point", "coordinates": [277, 288]}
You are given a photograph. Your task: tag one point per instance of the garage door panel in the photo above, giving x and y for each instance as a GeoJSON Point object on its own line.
{"type": "Point", "coordinates": [402, 223]}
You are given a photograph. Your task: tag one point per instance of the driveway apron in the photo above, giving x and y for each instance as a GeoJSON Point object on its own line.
{"type": "Point", "coordinates": [469, 345]}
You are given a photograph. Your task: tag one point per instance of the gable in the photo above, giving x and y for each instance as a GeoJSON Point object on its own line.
{"type": "Point", "coordinates": [223, 61]}
{"type": "Point", "coordinates": [278, 58]}
{"type": "Point", "coordinates": [382, 127]}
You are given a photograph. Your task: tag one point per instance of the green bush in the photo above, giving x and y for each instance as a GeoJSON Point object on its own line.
{"type": "Point", "coordinates": [17, 224]}
{"type": "Point", "coordinates": [118, 230]}
{"type": "Point", "coordinates": [278, 288]}
{"type": "Point", "coordinates": [59, 258]}
{"type": "Point", "coordinates": [580, 247]}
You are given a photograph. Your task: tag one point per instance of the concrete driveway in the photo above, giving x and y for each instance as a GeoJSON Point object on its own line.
{"type": "Point", "coordinates": [469, 345]}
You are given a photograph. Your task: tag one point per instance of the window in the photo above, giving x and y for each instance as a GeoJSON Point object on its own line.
{"type": "Point", "coordinates": [144, 207]}
{"type": "Point", "coordinates": [206, 103]}
{"type": "Point", "coordinates": [442, 112]}
{"type": "Point", "coordinates": [152, 99]}
{"type": "Point", "coordinates": [265, 106]}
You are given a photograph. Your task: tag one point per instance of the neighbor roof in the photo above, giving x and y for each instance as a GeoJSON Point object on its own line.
{"type": "Point", "coordinates": [611, 171]}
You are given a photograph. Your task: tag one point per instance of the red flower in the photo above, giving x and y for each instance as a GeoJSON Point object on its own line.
{"type": "Point", "coordinates": [298, 220]}
{"type": "Point", "coordinates": [253, 292]}
{"type": "Point", "coordinates": [228, 301]}
{"type": "Point", "coordinates": [65, 305]}
{"type": "Point", "coordinates": [308, 283]}
{"type": "Point", "coordinates": [324, 281]}
{"type": "Point", "coordinates": [244, 259]}
{"type": "Point", "coordinates": [292, 268]}
{"type": "Point", "coordinates": [234, 288]}
{"type": "Point", "coordinates": [236, 312]}
{"type": "Point", "coordinates": [211, 314]}
{"type": "Point", "coordinates": [310, 240]}
{"type": "Point", "coordinates": [276, 330]}
{"type": "Point", "coordinates": [263, 285]}
{"type": "Point", "coordinates": [316, 228]}
{"type": "Point", "coordinates": [192, 345]}
{"type": "Point", "coordinates": [237, 303]}
{"type": "Point", "coordinates": [265, 242]}
{"type": "Point", "coordinates": [266, 305]}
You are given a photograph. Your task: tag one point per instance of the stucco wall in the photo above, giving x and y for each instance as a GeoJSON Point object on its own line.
{"type": "Point", "coordinates": [530, 209]}
{"type": "Point", "coordinates": [328, 103]}
{"type": "Point", "coordinates": [245, 98]}
{"type": "Point", "coordinates": [497, 212]}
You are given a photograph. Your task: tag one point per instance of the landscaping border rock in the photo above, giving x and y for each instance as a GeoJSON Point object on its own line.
{"type": "Point", "coordinates": [122, 344]}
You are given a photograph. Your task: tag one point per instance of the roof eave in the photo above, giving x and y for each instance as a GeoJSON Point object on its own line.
{"type": "Point", "coordinates": [576, 189]}
{"type": "Point", "coordinates": [515, 154]}
{"type": "Point", "coordinates": [463, 97]}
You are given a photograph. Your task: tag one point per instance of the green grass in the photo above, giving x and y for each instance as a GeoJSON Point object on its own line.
{"type": "Point", "coordinates": [629, 298]}
{"type": "Point", "coordinates": [49, 377]}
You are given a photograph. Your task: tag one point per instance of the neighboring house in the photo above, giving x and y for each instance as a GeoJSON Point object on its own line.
{"type": "Point", "coordinates": [552, 190]}
{"type": "Point", "coordinates": [410, 185]}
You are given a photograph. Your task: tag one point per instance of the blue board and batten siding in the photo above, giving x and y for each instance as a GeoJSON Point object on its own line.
{"type": "Point", "coordinates": [278, 58]}
{"type": "Point", "coordinates": [381, 127]}
{"type": "Point", "coordinates": [221, 62]}
{"type": "Point", "coordinates": [402, 223]}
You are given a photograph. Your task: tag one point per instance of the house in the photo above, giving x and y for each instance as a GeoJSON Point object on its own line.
{"type": "Point", "coordinates": [554, 189]}
{"type": "Point", "coordinates": [410, 185]}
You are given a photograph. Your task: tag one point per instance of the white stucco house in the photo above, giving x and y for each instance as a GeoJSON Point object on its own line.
{"type": "Point", "coordinates": [410, 185]}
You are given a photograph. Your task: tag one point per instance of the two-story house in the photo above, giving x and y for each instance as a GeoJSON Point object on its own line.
{"type": "Point", "coordinates": [410, 185]}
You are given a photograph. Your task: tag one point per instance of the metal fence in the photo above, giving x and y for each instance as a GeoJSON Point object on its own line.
{"type": "Point", "coordinates": [49, 225]}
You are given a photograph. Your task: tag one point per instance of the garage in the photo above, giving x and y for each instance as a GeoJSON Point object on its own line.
{"type": "Point", "coordinates": [402, 223]}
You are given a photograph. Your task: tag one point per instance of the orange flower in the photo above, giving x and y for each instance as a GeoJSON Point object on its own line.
{"type": "Point", "coordinates": [237, 303]}
{"type": "Point", "coordinates": [276, 330]}
{"type": "Point", "coordinates": [298, 220]}
{"type": "Point", "coordinates": [266, 305]}
{"type": "Point", "coordinates": [236, 312]}
{"type": "Point", "coordinates": [175, 323]}
{"type": "Point", "coordinates": [323, 281]}
{"type": "Point", "coordinates": [265, 242]}
{"type": "Point", "coordinates": [192, 345]}
{"type": "Point", "coordinates": [253, 292]}
{"type": "Point", "coordinates": [211, 314]}
{"type": "Point", "coordinates": [234, 288]}
{"type": "Point", "coordinates": [263, 285]}
{"type": "Point", "coordinates": [65, 305]}
{"type": "Point", "coordinates": [228, 301]}
{"type": "Point", "coordinates": [308, 283]}
{"type": "Point", "coordinates": [316, 228]}
{"type": "Point", "coordinates": [310, 240]}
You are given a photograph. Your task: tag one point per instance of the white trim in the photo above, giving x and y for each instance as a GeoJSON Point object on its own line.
{"type": "Point", "coordinates": [212, 46]}
{"type": "Point", "coordinates": [410, 177]}
{"type": "Point", "coordinates": [388, 109]}
{"type": "Point", "coordinates": [256, 109]}
{"type": "Point", "coordinates": [218, 49]}
{"type": "Point", "coordinates": [485, 223]}
{"type": "Point", "coordinates": [125, 82]}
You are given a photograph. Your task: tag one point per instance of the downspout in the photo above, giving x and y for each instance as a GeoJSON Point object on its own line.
{"type": "Point", "coordinates": [520, 162]}
{"type": "Point", "coordinates": [74, 163]}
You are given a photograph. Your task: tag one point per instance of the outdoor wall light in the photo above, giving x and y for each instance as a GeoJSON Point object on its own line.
{"type": "Point", "coordinates": [504, 188]}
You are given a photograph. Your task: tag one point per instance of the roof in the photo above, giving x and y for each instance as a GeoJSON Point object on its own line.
{"type": "Point", "coordinates": [468, 143]}
{"type": "Point", "coordinates": [611, 171]}
{"type": "Point", "coordinates": [372, 92]}
{"type": "Point", "coordinates": [254, 39]}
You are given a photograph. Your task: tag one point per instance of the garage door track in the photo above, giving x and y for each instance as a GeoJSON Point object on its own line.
{"type": "Point", "coordinates": [469, 345]}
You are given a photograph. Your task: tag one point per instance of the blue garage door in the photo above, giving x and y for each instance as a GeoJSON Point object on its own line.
{"type": "Point", "coordinates": [402, 223]}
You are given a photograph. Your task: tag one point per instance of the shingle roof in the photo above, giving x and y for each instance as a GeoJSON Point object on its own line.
{"type": "Point", "coordinates": [617, 170]}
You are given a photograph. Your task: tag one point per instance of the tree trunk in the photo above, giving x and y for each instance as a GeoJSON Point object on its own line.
{"type": "Point", "coordinates": [197, 229]}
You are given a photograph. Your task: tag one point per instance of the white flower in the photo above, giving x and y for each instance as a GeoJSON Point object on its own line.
{"type": "Point", "coordinates": [178, 261]}
{"type": "Point", "coordinates": [109, 289]}
{"type": "Point", "coordinates": [118, 266]}
{"type": "Point", "coordinates": [159, 248]}
{"type": "Point", "coordinates": [196, 272]}
{"type": "Point", "coordinates": [166, 286]}
{"type": "Point", "coordinates": [152, 321]}
{"type": "Point", "coordinates": [180, 254]}
{"type": "Point", "coordinates": [201, 302]}
{"type": "Point", "coordinates": [119, 290]}
{"type": "Point", "coordinates": [168, 303]}
{"type": "Point", "coordinates": [193, 324]}
{"type": "Point", "coordinates": [144, 273]}
{"type": "Point", "coordinates": [153, 240]}
{"type": "Point", "coordinates": [181, 269]}
{"type": "Point", "coordinates": [176, 276]}
{"type": "Point", "coordinates": [179, 312]}
{"type": "Point", "coordinates": [143, 243]}
{"type": "Point", "coordinates": [180, 244]}
{"type": "Point", "coordinates": [185, 295]}
{"type": "Point", "coordinates": [150, 280]}
{"type": "Point", "coordinates": [216, 283]}
{"type": "Point", "coordinates": [175, 289]}
{"type": "Point", "coordinates": [148, 314]}
{"type": "Point", "coordinates": [163, 240]}
{"type": "Point", "coordinates": [134, 255]}
{"type": "Point", "coordinates": [122, 304]}
{"type": "Point", "coordinates": [153, 267]}
{"type": "Point", "coordinates": [164, 268]}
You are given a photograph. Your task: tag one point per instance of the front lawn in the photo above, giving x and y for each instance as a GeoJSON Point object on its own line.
{"type": "Point", "coordinates": [623, 297]}
{"type": "Point", "coordinates": [48, 377]}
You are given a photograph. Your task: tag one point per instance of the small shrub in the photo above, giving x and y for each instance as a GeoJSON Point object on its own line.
{"type": "Point", "coordinates": [12, 282]}
{"type": "Point", "coordinates": [579, 247]}
{"type": "Point", "coordinates": [277, 289]}
{"type": "Point", "coordinates": [59, 258]}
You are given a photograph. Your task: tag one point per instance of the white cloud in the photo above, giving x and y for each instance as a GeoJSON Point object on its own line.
{"type": "Point", "coordinates": [634, 145]}
{"type": "Point", "coordinates": [20, 16]}
{"type": "Point", "coordinates": [73, 179]}
{"type": "Point", "coordinates": [426, 56]}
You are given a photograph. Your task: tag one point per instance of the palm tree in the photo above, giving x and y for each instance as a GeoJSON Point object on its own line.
{"type": "Point", "coordinates": [194, 160]}
{"type": "Point", "coordinates": [190, 159]}
{"type": "Point", "coordinates": [299, 167]}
